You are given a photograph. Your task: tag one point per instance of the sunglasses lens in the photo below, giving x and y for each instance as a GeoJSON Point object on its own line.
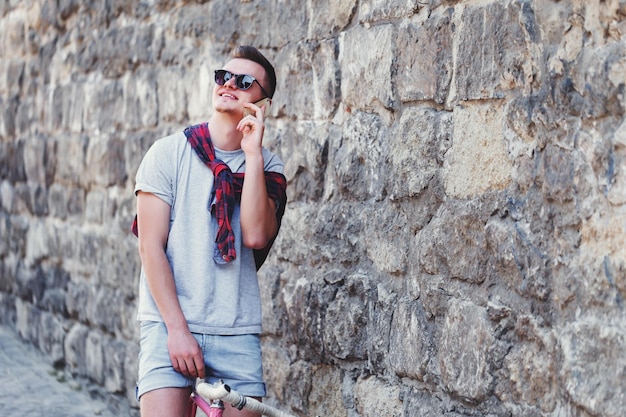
{"type": "Point", "coordinates": [222, 76]}
{"type": "Point", "coordinates": [244, 82]}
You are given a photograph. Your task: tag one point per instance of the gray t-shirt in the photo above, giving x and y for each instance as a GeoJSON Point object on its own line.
{"type": "Point", "coordinates": [215, 299]}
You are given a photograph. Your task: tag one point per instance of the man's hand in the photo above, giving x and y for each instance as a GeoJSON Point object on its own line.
{"type": "Point", "coordinates": [252, 128]}
{"type": "Point", "coordinates": [185, 354]}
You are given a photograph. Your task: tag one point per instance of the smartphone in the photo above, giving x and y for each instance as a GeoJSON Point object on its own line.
{"type": "Point", "coordinates": [264, 102]}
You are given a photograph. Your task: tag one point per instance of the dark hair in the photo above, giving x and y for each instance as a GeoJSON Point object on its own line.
{"type": "Point", "coordinates": [252, 54]}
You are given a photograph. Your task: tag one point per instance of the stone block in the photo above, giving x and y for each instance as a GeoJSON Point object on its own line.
{"type": "Point", "coordinates": [75, 349]}
{"type": "Point", "coordinates": [64, 202]}
{"type": "Point", "coordinates": [13, 35]}
{"type": "Point", "coordinates": [74, 107]}
{"type": "Point", "coordinates": [410, 341]}
{"type": "Point", "coordinates": [73, 151]}
{"type": "Point", "coordinates": [119, 263]}
{"type": "Point", "coordinates": [101, 309]}
{"type": "Point", "coordinates": [373, 11]}
{"type": "Point", "coordinates": [380, 314]}
{"type": "Point", "coordinates": [477, 161]}
{"type": "Point", "coordinates": [32, 198]}
{"type": "Point", "coordinates": [8, 315]}
{"type": "Point", "coordinates": [304, 325]}
{"type": "Point", "coordinates": [5, 226]}
{"type": "Point", "coordinates": [127, 324]}
{"type": "Point", "coordinates": [26, 318]}
{"type": "Point", "coordinates": [531, 369]}
{"type": "Point", "coordinates": [299, 383]}
{"type": "Point", "coordinates": [37, 242]}
{"type": "Point", "coordinates": [492, 43]}
{"type": "Point", "coordinates": [13, 167]}
{"type": "Point", "coordinates": [199, 82]}
{"type": "Point", "coordinates": [105, 157]}
{"type": "Point", "coordinates": [26, 117]}
{"type": "Point", "coordinates": [7, 117]}
{"type": "Point", "coordinates": [388, 232]}
{"type": "Point", "coordinates": [416, 149]}
{"type": "Point", "coordinates": [317, 227]}
{"type": "Point", "coordinates": [533, 279]}
{"type": "Point", "coordinates": [312, 64]}
{"type": "Point", "coordinates": [87, 250]}
{"type": "Point", "coordinates": [454, 243]}
{"type": "Point", "coordinates": [96, 203]}
{"type": "Point", "coordinates": [420, 403]}
{"type": "Point", "coordinates": [172, 100]}
{"type": "Point", "coordinates": [115, 51]}
{"type": "Point", "coordinates": [307, 160]}
{"type": "Point", "coordinates": [464, 351]}
{"type": "Point", "coordinates": [56, 279]}
{"type": "Point", "coordinates": [598, 76]}
{"type": "Point", "coordinates": [274, 357]}
{"type": "Point", "coordinates": [114, 352]}
{"type": "Point", "coordinates": [22, 202]}
{"type": "Point", "coordinates": [5, 82]}
{"type": "Point", "coordinates": [141, 101]}
{"type": "Point", "coordinates": [104, 106]}
{"type": "Point", "coordinates": [328, 18]}
{"type": "Point", "coordinates": [273, 307]}
{"type": "Point", "coordinates": [425, 53]}
{"type": "Point", "coordinates": [367, 73]}
{"type": "Point", "coordinates": [27, 285]}
{"type": "Point", "coordinates": [76, 300]}
{"type": "Point", "coordinates": [18, 233]}
{"type": "Point", "coordinates": [345, 319]}
{"type": "Point", "coordinates": [131, 371]}
{"type": "Point", "coordinates": [87, 56]}
{"type": "Point", "coordinates": [292, 17]}
{"type": "Point", "coordinates": [375, 397]}
{"type": "Point", "coordinates": [135, 147]}
{"type": "Point", "coordinates": [357, 158]}
{"type": "Point", "coordinates": [593, 366]}
{"type": "Point", "coordinates": [326, 396]}
{"type": "Point", "coordinates": [94, 356]}
{"type": "Point", "coordinates": [7, 198]}
{"type": "Point", "coordinates": [40, 161]}
{"type": "Point", "coordinates": [45, 330]}
{"type": "Point", "coordinates": [50, 337]}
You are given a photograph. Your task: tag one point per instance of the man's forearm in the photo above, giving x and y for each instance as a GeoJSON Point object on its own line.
{"type": "Point", "coordinates": [162, 287]}
{"type": "Point", "coordinates": [258, 215]}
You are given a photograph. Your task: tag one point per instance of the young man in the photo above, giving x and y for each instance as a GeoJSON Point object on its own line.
{"type": "Point", "coordinates": [209, 204]}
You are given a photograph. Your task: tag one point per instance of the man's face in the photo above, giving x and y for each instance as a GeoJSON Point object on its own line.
{"type": "Point", "coordinates": [228, 98]}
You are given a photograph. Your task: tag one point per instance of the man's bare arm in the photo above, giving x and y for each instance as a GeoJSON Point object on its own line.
{"type": "Point", "coordinates": [153, 217]}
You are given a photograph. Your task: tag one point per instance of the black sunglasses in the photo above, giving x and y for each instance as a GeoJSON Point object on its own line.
{"type": "Point", "coordinates": [242, 81]}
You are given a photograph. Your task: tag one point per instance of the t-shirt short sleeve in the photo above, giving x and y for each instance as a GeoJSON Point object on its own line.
{"type": "Point", "coordinates": [156, 173]}
{"type": "Point", "coordinates": [273, 162]}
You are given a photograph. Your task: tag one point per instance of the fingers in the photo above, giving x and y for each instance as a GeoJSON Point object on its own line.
{"type": "Point", "coordinates": [185, 354]}
{"type": "Point", "coordinates": [251, 123]}
{"type": "Point", "coordinates": [251, 109]}
{"type": "Point", "coordinates": [191, 366]}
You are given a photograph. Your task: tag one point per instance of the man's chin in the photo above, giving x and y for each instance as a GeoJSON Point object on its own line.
{"type": "Point", "coordinates": [227, 110]}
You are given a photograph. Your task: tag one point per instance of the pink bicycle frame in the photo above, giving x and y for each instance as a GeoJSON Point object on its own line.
{"type": "Point", "coordinates": [196, 400]}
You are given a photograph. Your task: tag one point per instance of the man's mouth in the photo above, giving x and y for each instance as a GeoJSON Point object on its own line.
{"type": "Point", "coordinates": [228, 96]}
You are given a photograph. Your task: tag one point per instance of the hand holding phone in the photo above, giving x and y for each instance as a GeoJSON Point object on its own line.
{"type": "Point", "coordinates": [263, 102]}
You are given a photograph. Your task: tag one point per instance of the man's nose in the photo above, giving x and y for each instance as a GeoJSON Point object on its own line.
{"type": "Point", "coordinates": [231, 83]}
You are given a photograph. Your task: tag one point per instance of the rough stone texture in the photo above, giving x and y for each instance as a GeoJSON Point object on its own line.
{"type": "Point", "coordinates": [454, 242]}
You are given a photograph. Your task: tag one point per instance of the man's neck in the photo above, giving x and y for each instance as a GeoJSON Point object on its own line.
{"type": "Point", "coordinates": [224, 133]}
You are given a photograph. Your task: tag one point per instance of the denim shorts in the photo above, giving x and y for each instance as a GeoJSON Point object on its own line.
{"type": "Point", "coordinates": [236, 360]}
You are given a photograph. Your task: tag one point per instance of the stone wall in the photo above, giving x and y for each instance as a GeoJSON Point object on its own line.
{"type": "Point", "coordinates": [454, 242]}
